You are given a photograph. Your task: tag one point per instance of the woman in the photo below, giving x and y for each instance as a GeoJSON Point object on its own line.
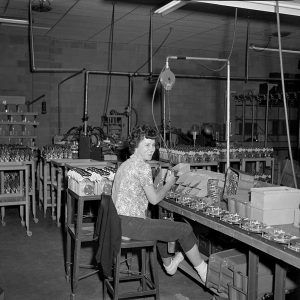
{"type": "Point", "coordinates": [132, 191]}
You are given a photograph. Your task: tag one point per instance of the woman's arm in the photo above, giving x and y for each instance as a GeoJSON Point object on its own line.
{"type": "Point", "coordinates": [155, 196]}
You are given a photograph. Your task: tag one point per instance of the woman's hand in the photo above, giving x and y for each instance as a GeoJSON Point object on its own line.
{"type": "Point", "coordinates": [170, 178]}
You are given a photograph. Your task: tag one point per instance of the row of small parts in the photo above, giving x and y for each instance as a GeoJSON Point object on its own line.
{"type": "Point", "coordinates": [91, 181]}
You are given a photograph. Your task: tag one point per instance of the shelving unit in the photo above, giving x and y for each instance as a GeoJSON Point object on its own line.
{"type": "Point", "coordinates": [18, 127]}
{"type": "Point", "coordinates": [252, 118]}
{"type": "Point", "coordinates": [15, 192]}
{"type": "Point", "coordinates": [115, 126]}
{"type": "Point", "coordinates": [263, 166]}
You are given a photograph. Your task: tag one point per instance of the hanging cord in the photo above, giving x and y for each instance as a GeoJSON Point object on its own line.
{"type": "Point", "coordinates": [132, 106]}
{"type": "Point", "coordinates": [155, 52]}
{"type": "Point", "coordinates": [247, 53]}
{"type": "Point", "coordinates": [283, 94]}
{"type": "Point", "coordinates": [231, 49]}
{"type": "Point", "coordinates": [265, 47]}
{"type": "Point", "coordinates": [109, 67]}
{"type": "Point", "coordinates": [155, 124]}
{"type": "Point", "coordinates": [169, 115]}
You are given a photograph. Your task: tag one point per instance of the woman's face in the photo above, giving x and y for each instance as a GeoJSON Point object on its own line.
{"type": "Point", "coordinates": [145, 149]}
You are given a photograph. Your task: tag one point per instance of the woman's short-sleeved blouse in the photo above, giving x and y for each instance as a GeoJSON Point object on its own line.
{"type": "Point", "coordinates": [128, 193]}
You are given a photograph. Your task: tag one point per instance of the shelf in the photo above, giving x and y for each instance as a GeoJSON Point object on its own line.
{"type": "Point", "coordinates": [18, 126]}
{"type": "Point", "coordinates": [19, 123]}
{"type": "Point", "coordinates": [18, 113]}
{"type": "Point", "coordinates": [18, 136]}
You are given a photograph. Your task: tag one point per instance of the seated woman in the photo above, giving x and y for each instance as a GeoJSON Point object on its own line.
{"type": "Point", "coordinates": [132, 191]}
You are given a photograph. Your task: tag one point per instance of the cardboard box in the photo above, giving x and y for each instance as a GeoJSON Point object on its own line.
{"type": "Point", "coordinates": [280, 197]}
{"type": "Point", "coordinates": [273, 216]}
{"type": "Point", "coordinates": [229, 267]}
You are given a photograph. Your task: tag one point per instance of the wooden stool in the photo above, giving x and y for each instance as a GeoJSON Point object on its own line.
{"type": "Point", "coordinates": [78, 233]}
{"type": "Point", "coordinates": [149, 284]}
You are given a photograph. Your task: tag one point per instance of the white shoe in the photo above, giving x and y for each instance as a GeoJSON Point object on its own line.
{"type": "Point", "coordinates": [202, 271]}
{"type": "Point", "coordinates": [175, 261]}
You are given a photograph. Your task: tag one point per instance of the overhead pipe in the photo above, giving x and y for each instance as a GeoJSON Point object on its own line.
{"type": "Point", "coordinates": [58, 97]}
{"type": "Point", "coordinates": [33, 68]}
{"type": "Point", "coordinates": [252, 47]}
{"type": "Point", "coordinates": [151, 44]}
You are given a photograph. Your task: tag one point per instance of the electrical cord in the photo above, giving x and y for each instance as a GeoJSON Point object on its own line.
{"type": "Point", "coordinates": [111, 40]}
{"type": "Point", "coordinates": [158, 48]}
{"type": "Point", "coordinates": [231, 49]}
{"type": "Point", "coordinates": [155, 124]}
{"type": "Point", "coordinates": [132, 107]}
{"type": "Point", "coordinates": [283, 94]}
{"type": "Point", "coordinates": [265, 47]}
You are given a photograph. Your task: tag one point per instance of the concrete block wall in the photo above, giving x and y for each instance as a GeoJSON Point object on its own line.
{"type": "Point", "coordinates": [191, 101]}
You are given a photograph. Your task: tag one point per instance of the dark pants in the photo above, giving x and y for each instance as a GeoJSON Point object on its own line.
{"type": "Point", "coordinates": [162, 231]}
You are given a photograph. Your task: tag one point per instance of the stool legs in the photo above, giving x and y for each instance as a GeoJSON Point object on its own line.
{"type": "Point", "coordinates": [112, 285]}
{"type": "Point", "coordinates": [68, 246]}
{"type": "Point", "coordinates": [58, 197]}
{"type": "Point", "coordinates": [154, 264]}
{"type": "Point", "coordinates": [3, 215]}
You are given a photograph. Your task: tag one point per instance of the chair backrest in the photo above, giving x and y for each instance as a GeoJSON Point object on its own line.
{"type": "Point", "coordinates": [108, 234]}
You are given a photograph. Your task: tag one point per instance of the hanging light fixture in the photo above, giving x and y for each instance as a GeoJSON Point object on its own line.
{"type": "Point", "coordinates": [41, 5]}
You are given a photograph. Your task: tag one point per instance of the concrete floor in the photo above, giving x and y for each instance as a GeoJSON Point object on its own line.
{"type": "Point", "coordinates": [32, 268]}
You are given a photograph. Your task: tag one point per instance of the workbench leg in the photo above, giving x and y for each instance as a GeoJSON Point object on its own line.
{"type": "Point", "coordinates": [33, 190]}
{"type": "Point", "coordinates": [253, 261]}
{"type": "Point", "coordinates": [22, 215]}
{"type": "Point", "coordinates": [45, 178]}
{"type": "Point", "coordinates": [27, 201]}
{"type": "Point", "coordinates": [279, 283]}
{"type": "Point", "coordinates": [69, 242]}
{"type": "Point", "coordinates": [58, 198]}
{"type": "Point", "coordinates": [76, 258]}
{"type": "Point", "coordinates": [40, 167]}
{"type": "Point", "coordinates": [52, 190]}
{"type": "Point", "coordinates": [3, 215]}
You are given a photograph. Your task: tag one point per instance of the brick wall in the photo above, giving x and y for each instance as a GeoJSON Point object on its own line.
{"type": "Point", "coordinates": [191, 100]}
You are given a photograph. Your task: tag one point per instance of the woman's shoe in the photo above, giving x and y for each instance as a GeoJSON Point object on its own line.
{"type": "Point", "coordinates": [175, 261]}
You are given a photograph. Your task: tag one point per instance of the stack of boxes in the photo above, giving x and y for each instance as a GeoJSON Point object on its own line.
{"type": "Point", "coordinates": [227, 275]}
{"type": "Point", "coordinates": [275, 205]}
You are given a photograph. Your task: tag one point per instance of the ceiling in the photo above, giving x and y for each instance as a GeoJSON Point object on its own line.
{"type": "Point", "coordinates": [201, 27]}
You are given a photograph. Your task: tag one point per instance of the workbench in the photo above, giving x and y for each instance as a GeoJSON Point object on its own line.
{"type": "Point", "coordinates": [282, 256]}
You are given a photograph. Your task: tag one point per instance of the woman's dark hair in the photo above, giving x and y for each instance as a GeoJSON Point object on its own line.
{"type": "Point", "coordinates": [138, 133]}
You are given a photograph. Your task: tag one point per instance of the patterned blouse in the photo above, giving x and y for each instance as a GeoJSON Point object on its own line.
{"type": "Point", "coordinates": [128, 194]}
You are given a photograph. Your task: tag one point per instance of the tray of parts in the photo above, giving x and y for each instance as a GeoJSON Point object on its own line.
{"type": "Point", "coordinates": [253, 226]}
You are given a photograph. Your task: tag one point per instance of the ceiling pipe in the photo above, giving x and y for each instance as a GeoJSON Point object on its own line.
{"type": "Point", "coordinates": [151, 44]}
{"type": "Point", "coordinates": [253, 47]}
{"type": "Point", "coordinates": [58, 97]}
{"type": "Point", "coordinates": [33, 68]}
